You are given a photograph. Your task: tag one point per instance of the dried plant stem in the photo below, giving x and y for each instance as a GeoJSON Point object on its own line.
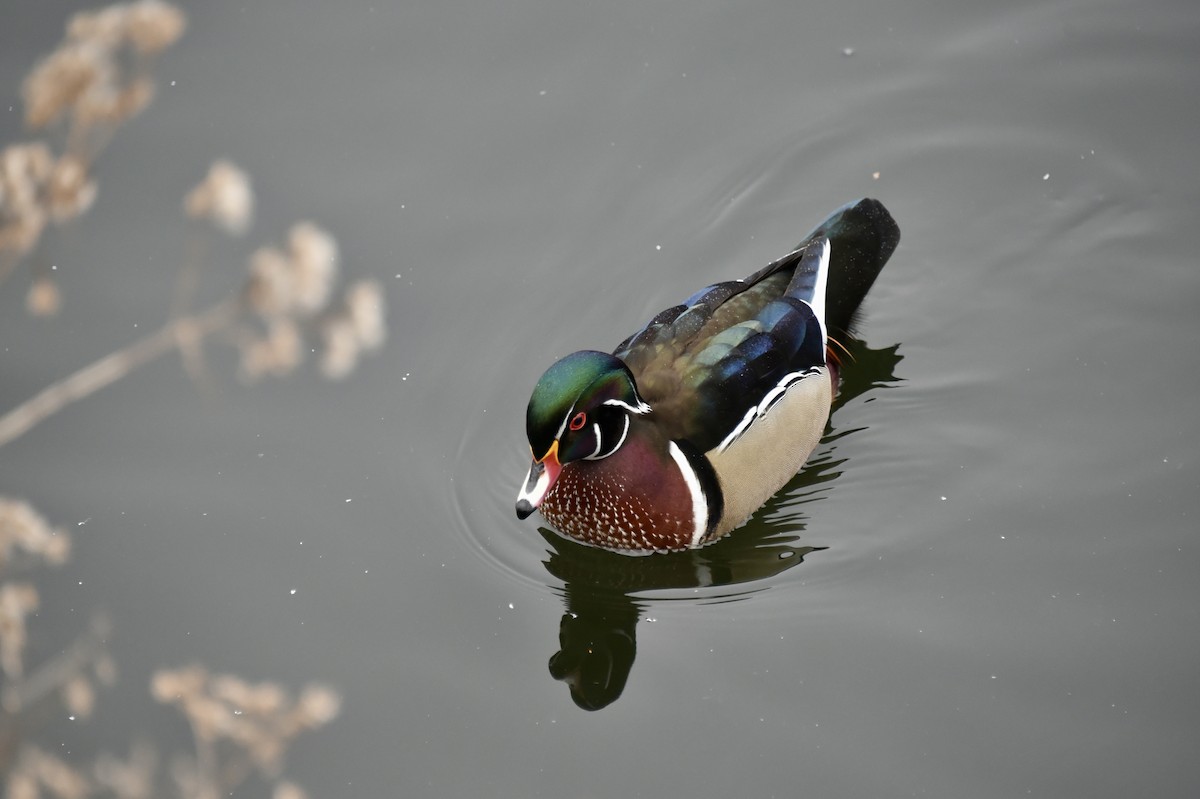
{"type": "Point", "coordinates": [180, 333]}
{"type": "Point", "coordinates": [54, 674]}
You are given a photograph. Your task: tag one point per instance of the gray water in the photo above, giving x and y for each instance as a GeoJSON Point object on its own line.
{"type": "Point", "coordinates": [985, 583]}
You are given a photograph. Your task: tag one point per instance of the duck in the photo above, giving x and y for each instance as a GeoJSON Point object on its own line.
{"type": "Point", "coordinates": [676, 437]}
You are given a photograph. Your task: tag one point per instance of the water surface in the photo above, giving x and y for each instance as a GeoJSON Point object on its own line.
{"type": "Point", "coordinates": [984, 583]}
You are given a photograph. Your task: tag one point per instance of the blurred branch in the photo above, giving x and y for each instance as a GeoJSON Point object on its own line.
{"type": "Point", "coordinates": [52, 675]}
{"type": "Point", "coordinates": [179, 333]}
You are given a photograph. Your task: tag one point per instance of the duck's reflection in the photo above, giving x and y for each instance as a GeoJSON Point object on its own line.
{"type": "Point", "coordinates": [597, 634]}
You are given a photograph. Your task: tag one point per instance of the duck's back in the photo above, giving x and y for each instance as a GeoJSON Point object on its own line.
{"type": "Point", "coordinates": [703, 363]}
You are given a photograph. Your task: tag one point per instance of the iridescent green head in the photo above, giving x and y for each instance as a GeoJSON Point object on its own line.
{"type": "Point", "coordinates": [580, 409]}
{"type": "Point", "coordinates": [581, 403]}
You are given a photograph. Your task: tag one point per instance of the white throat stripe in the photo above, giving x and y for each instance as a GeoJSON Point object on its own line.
{"type": "Point", "coordinates": [699, 501]}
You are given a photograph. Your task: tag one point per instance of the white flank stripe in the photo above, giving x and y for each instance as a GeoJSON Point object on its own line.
{"type": "Point", "coordinates": [699, 502]}
{"type": "Point", "coordinates": [741, 428]}
{"type": "Point", "coordinates": [752, 415]}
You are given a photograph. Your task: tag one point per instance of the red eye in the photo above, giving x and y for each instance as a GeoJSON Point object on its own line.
{"type": "Point", "coordinates": [578, 420]}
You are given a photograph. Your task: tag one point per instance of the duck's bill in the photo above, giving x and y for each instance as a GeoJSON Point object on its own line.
{"type": "Point", "coordinates": [542, 474]}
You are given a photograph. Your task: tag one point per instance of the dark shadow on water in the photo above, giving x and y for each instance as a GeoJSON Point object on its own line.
{"type": "Point", "coordinates": [598, 632]}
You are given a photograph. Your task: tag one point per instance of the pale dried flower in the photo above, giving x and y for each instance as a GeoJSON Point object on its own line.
{"type": "Point", "coordinates": [103, 26]}
{"type": "Point", "coordinates": [133, 97]}
{"type": "Point", "coordinates": [97, 75]}
{"type": "Point", "coordinates": [132, 779]}
{"type": "Point", "coordinates": [259, 699]}
{"type": "Point", "coordinates": [356, 327]}
{"type": "Point", "coordinates": [341, 350]}
{"type": "Point", "coordinates": [172, 686]}
{"type": "Point", "coordinates": [265, 699]}
{"type": "Point", "coordinates": [23, 527]}
{"type": "Point", "coordinates": [265, 748]}
{"type": "Point", "coordinates": [69, 192]}
{"type": "Point", "coordinates": [61, 79]}
{"type": "Point", "coordinates": [101, 105]}
{"type": "Point", "coordinates": [314, 255]}
{"type": "Point", "coordinates": [260, 719]}
{"type": "Point", "coordinates": [24, 170]}
{"type": "Point", "coordinates": [365, 308]}
{"type": "Point", "coordinates": [44, 298]}
{"type": "Point", "coordinates": [318, 705]}
{"type": "Point", "coordinates": [231, 689]}
{"type": "Point", "coordinates": [56, 775]}
{"type": "Point", "coordinates": [276, 354]}
{"type": "Point", "coordinates": [271, 287]}
{"type": "Point", "coordinates": [21, 785]}
{"type": "Point", "coordinates": [224, 197]}
{"type": "Point", "coordinates": [288, 790]}
{"type": "Point", "coordinates": [209, 718]}
{"type": "Point", "coordinates": [56, 549]}
{"type": "Point", "coordinates": [111, 104]}
{"type": "Point", "coordinates": [79, 697]}
{"type": "Point", "coordinates": [17, 600]}
{"type": "Point", "coordinates": [296, 281]}
{"type": "Point", "coordinates": [152, 26]}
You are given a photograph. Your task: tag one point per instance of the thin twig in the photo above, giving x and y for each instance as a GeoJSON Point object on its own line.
{"type": "Point", "coordinates": [113, 367]}
{"type": "Point", "coordinates": [56, 672]}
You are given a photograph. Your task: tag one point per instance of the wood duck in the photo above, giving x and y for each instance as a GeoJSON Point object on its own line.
{"type": "Point", "coordinates": [698, 418]}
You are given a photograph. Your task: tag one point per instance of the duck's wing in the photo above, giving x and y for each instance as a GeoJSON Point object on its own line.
{"type": "Point", "coordinates": [703, 364]}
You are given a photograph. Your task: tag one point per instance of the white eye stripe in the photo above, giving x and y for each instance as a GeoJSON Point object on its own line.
{"type": "Point", "coordinates": [640, 408]}
{"type": "Point", "coordinates": [562, 428]}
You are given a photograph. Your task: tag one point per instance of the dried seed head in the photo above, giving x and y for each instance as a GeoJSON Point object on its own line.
{"type": "Point", "coordinates": [104, 27]}
{"type": "Point", "coordinates": [23, 168]}
{"type": "Point", "coordinates": [70, 191]}
{"type": "Point", "coordinates": [59, 778]}
{"type": "Point", "coordinates": [24, 171]}
{"type": "Point", "coordinates": [314, 255]}
{"type": "Point", "coordinates": [318, 705]}
{"type": "Point", "coordinates": [271, 287]}
{"type": "Point", "coordinates": [44, 298]}
{"type": "Point", "coordinates": [174, 686]}
{"type": "Point", "coordinates": [133, 98]}
{"type": "Point", "coordinates": [22, 527]}
{"type": "Point", "coordinates": [17, 600]}
{"type": "Point", "coordinates": [130, 779]}
{"type": "Point", "coordinates": [276, 354]}
{"type": "Point", "coordinates": [288, 790]}
{"type": "Point", "coordinates": [365, 307]}
{"type": "Point", "coordinates": [341, 350]}
{"type": "Point", "coordinates": [152, 26]}
{"type": "Point", "coordinates": [78, 697]}
{"type": "Point", "coordinates": [224, 197]}
{"type": "Point", "coordinates": [61, 79]}
{"type": "Point", "coordinates": [22, 785]}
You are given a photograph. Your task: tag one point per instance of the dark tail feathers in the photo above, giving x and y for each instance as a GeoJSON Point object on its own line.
{"type": "Point", "coordinates": [863, 236]}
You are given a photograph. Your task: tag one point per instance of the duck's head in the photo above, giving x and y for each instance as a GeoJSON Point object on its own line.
{"type": "Point", "coordinates": [580, 410]}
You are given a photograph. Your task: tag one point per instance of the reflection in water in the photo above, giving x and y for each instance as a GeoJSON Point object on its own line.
{"type": "Point", "coordinates": [597, 635]}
